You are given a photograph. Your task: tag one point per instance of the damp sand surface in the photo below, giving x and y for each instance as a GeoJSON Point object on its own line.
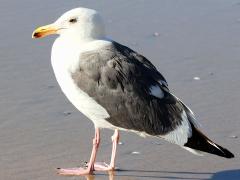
{"type": "Point", "coordinates": [196, 46]}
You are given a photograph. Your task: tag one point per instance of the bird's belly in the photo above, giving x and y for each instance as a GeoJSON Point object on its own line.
{"type": "Point", "coordinates": [81, 100]}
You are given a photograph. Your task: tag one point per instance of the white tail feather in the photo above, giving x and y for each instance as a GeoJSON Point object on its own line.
{"type": "Point", "coordinates": [194, 151]}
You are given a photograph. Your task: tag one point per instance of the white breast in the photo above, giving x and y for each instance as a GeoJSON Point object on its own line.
{"type": "Point", "coordinates": [65, 60]}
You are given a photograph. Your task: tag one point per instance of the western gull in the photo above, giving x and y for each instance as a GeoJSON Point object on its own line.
{"type": "Point", "coordinates": [117, 88]}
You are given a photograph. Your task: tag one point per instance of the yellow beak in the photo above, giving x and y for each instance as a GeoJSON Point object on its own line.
{"type": "Point", "coordinates": [44, 31]}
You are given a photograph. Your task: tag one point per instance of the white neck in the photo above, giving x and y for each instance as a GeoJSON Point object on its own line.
{"type": "Point", "coordinates": [66, 51]}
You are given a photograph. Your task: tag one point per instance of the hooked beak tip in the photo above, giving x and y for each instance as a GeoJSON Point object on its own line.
{"type": "Point", "coordinates": [44, 31]}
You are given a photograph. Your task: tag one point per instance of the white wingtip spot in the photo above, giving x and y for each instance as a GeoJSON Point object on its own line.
{"type": "Point", "coordinates": [214, 145]}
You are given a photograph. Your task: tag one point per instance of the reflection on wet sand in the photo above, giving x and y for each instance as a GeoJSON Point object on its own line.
{"type": "Point", "coordinates": [149, 174]}
{"type": "Point", "coordinates": [111, 175]}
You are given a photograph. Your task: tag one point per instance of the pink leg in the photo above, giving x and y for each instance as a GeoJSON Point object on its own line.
{"type": "Point", "coordinates": [90, 168]}
{"type": "Point", "coordinates": [102, 166]}
{"type": "Point", "coordinates": [115, 140]}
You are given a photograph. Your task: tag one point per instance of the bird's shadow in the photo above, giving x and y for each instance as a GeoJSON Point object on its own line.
{"type": "Point", "coordinates": [233, 174]}
{"type": "Point", "coordinates": [150, 174]}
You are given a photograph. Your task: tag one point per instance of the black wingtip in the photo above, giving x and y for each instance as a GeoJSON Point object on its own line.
{"type": "Point", "coordinates": [200, 142]}
{"type": "Point", "coordinates": [226, 153]}
{"type": "Point", "coordinates": [220, 151]}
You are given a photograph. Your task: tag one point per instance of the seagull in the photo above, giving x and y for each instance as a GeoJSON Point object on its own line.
{"type": "Point", "coordinates": [117, 88]}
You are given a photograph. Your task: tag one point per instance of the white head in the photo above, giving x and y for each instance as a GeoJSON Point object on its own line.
{"type": "Point", "coordinates": [77, 24]}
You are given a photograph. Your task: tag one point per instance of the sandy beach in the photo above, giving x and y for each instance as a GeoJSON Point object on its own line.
{"type": "Point", "coordinates": [194, 44]}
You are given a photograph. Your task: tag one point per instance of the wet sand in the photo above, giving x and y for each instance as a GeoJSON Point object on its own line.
{"type": "Point", "coordinates": [40, 130]}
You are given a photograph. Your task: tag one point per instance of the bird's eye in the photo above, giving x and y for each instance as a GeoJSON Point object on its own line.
{"type": "Point", "coordinates": [73, 20]}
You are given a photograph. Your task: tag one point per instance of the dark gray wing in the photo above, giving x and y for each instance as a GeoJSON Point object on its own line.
{"type": "Point", "coordinates": [121, 81]}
